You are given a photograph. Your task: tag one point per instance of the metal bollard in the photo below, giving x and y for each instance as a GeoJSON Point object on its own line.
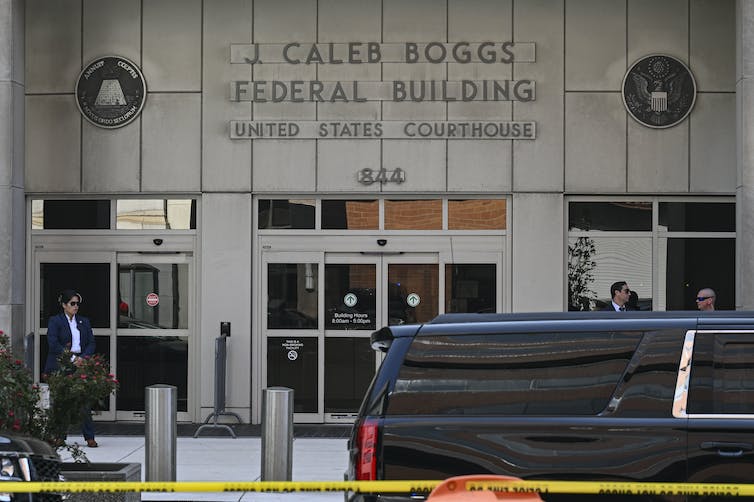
{"type": "Point", "coordinates": [160, 432]}
{"type": "Point", "coordinates": [277, 434]}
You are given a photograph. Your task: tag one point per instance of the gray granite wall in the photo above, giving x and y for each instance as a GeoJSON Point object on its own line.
{"type": "Point", "coordinates": [12, 222]}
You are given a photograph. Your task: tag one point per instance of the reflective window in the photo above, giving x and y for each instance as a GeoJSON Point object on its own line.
{"type": "Point", "coordinates": [91, 280]}
{"type": "Point", "coordinates": [153, 296]}
{"type": "Point", "coordinates": [470, 288]}
{"type": "Point", "coordinates": [413, 214]}
{"type": "Point", "coordinates": [168, 214]}
{"type": "Point", "coordinates": [698, 216]}
{"type": "Point", "coordinates": [610, 216]}
{"type": "Point", "coordinates": [73, 214]}
{"type": "Point", "coordinates": [512, 374]}
{"type": "Point", "coordinates": [350, 214]}
{"type": "Point", "coordinates": [292, 296]}
{"type": "Point", "coordinates": [412, 293]}
{"type": "Point", "coordinates": [150, 360]}
{"type": "Point", "coordinates": [349, 368]}
{"type": "Point", "coordinates": [350, 300]}
{"type": "Point", "coordinates": [722, 376]}
{"type": "Point", "coordinates": [293, 363]}
{"type": "Point", "coordinates": [595, 263]}
{"type": "Point", "coordinates": [476, 214]}
{"type": "Point", "coordinates": [282, 214]}
{"type": "Point", "coordinates": [695, 263]}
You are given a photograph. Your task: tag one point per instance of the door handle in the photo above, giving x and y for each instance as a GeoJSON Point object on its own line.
{"type": "Point", "coordinates": [727, 449]}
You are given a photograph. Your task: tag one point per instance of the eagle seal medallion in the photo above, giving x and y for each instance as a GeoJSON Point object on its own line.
{"type": "Point", "coordinates": [659, 91]}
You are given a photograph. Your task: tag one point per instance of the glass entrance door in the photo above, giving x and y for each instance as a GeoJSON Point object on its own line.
{"type": "Point", "coordinates": [154, 323]}
{"type": "Point", "coordinates": [321, 310]}
{"type": "Point", "coordinates": [91, 275]}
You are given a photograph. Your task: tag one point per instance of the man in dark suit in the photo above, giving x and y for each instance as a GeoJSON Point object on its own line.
{"type": "Point", "coordinates": [620, 293]}
{"type": "Point", "coordinates": [71, 332]}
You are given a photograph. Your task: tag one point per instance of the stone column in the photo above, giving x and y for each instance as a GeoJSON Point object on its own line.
{"type": "Point", "coordinates": [12, 214]}
{"type": "Point", "coordinates": [745, 154]}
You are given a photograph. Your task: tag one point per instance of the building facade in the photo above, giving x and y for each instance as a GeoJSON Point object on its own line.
{"type": "Point", "coordinates": [311, 170]}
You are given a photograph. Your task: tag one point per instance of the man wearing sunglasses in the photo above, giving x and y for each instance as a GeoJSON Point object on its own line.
{"type": "Point", "coordinates": [705, 299]}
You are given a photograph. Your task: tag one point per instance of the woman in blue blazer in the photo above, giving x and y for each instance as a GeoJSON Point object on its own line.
{"type": "Point", "coordinates": [68, 331]}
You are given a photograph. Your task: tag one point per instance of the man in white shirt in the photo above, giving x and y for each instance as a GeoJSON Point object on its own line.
{"type": "Point", "coordinates": [620, 294]}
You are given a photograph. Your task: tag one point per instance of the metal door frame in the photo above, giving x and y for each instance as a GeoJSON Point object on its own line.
{"type": "Point", "coordinates": [190, 332]}
{"type": "Point", "coordinates": [33, 299]}
{"type": "Point", "coordinates": [325, 249]}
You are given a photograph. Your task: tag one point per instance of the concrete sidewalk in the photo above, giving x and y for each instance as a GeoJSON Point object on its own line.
{"type": "Point", "coordinates": [228, 459]}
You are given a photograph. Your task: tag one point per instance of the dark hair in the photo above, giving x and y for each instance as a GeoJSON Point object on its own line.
{"type": "Point", "coordinates": [66, 295]}
{"type": "Point", "coordinates": [617, 286]}
{"type": "Point", "coordinates": [633, 300]}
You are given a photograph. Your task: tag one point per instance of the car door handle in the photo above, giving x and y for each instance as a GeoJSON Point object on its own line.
{"type": "Point", "coordinates": [727, 449]}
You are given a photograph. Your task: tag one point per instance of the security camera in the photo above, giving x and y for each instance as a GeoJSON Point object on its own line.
{"type": "Point", "coordinates": [157, 242]}
{"type": "Point", "coordinates": [381, 242]}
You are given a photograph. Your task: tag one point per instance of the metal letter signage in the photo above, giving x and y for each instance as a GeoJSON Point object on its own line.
{"type": "Point", "coordinates": [659, 91]}
{"type": "Point", "coordinates": [110, 92]}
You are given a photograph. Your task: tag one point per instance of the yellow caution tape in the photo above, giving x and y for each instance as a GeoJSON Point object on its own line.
{"type": "Point", "coordinates": [582, 487]}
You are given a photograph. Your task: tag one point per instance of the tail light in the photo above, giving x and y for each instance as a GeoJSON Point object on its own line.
{"type": "Point", "coordinates": [366, 467]}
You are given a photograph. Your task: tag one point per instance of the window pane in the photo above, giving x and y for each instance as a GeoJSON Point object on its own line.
{"type": "Point", "coordinates": [413, 291]}
{"type": "Point", "coordinates": [292, 363]}
{"type": "Point", "coordinates": [292, 295]}
{"type": "Point", "coordinates": [150, 360]}
{"type": "Point", "coordinates": [476, 214]}
{"type": "Point", "coordinates": [350, 214]}
{"type": "Point", "coordinates": [698, 216]}
{"type": "Point", "coordinates": [349, 368]}
{"type": "Point", "coordinates": [610, 216]}
{"type": "Point", "coordinates": [153, 296]}
{"type": "Point", "coordinates": [413, 214]}
{"type": "Point", "coordinates": [722, 376]}
{"type": "Point", "coordinates": [470, 288]}
{"type": "Point", "coordinates": [350, 300]}
{"type": "Point", "coordinates": [140, 214]}
{"type": "Point", "coordinates": [595, 263]}
{"type": "Point", "coordinates": [71, 214]}
{"type": "Point", "coordinates": [734, 381]}
{"type": "Point", "coordinates": [91, 280]}
{"type": "Point", "coordinates": [693, 264]}
{"type": "Point", "coordinates": [514, 374]}
{"type": "Point", "coordinates": [295, 214]}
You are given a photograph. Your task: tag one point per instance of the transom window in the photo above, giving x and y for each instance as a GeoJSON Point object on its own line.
{"type": "Point", "coordinates": [120, 214]}
{"type": "Point", "coordinates": [383, 214]}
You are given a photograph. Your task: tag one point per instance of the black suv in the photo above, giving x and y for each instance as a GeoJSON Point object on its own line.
{"type": "Point", "coordinates": [621, 396]}
{"type": "Point", "coordinates": [24, 458]}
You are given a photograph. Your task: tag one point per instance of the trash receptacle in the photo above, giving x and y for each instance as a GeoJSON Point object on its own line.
{"type": "Point", "coordinates": [454, 490]}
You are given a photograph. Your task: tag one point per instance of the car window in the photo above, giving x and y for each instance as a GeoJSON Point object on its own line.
{"type": "Point", "coordinates": [512, 374]}
{"type": "Point", "coordinates": [722, 374]}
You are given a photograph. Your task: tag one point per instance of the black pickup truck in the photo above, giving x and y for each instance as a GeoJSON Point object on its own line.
{"type": "Point", "coordinates": [621, 396]}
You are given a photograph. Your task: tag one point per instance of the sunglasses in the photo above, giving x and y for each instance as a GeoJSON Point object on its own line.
{"type": "Point", "coordinates": [702, 298]}
{"type": "Point", "coordinates": [73, 304]}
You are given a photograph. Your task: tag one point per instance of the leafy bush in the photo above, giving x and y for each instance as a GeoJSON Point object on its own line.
{"type": "Point", "coordinates": [18, 394]}
{"type": "Point", "coordinates": [75, 389]}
